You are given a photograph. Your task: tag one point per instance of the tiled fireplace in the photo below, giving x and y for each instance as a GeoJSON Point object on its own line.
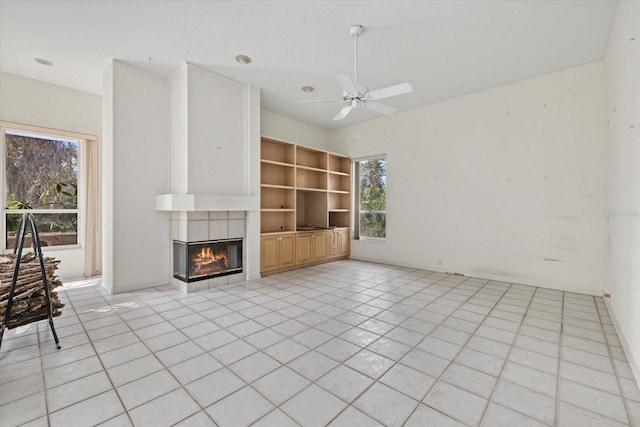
{"type": "Point", "coordinates": [198, 241]}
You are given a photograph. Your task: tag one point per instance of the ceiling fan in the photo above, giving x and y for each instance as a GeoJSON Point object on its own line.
{"type": "Point", "coordinates": [356, 96]}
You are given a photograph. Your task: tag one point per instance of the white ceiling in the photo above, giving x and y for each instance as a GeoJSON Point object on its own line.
{"type": "Point", "coordinates": [443, 48]}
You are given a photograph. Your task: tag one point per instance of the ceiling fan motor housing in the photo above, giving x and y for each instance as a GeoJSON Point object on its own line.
{"type": "Point", "coordinates": [356, 30]}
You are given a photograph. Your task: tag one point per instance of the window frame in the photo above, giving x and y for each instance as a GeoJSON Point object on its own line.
{"type": "Point", "coordinates": [355, 199]}
{"type": "Point", "coordinates": [43, 133]}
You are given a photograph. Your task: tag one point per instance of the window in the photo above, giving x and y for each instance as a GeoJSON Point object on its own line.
{"type": "Point", "coordinates": [40, 173]}
{"type": "Point", "coordinates": [370, 216]}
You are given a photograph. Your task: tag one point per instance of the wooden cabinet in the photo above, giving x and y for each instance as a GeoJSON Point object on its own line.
{"type": "Point", "coordinates": [338, 243]}
{"type": "Point", "coordinates": [320, 246]}
{"type": "Point", "coordinates": [277, 252]}
{"type": "Point", "coordinates": [311, 247]}
{"type": "Point", "coordinates": [302, 188]}
{"type": "Point", "coordinates": [344, 244]}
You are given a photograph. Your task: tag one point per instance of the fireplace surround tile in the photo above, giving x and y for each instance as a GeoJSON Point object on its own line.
{"type": "Point", "coordinates": [218, 229]}
{"type": "Point", "coordinates": [236, 278]}
{"type": "Point", "coordinates": [236, 215]}
{"type": "Point", "coordinates": [218, 215]}
{"type": "Point", "coordinates": [182, 227]}
{"type": "Point", "coordinates": [198, 230]}
{"type": "Point", "coordinates": [236, 228]}
{"type": "Point", "coordinates": [198, 215]}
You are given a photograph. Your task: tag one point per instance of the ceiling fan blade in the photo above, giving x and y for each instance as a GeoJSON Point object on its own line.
{"type": "Point", "coordinates": [320, 100]}
{"type": "Point", "coordinates": [391, 91]}
{"type": "Point", "coordinates": [380, 108]}
{"type": "Point", "coordinates": [343, 113]}
{"type": "Point", "coordinates": [347, 84]}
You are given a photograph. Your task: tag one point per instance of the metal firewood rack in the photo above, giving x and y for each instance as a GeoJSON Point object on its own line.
{"type": "Point", "coordinates": [37, 248]}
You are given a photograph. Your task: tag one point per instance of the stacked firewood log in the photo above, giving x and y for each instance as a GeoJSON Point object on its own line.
{"type": "Point", "coordinates": [29, 299]}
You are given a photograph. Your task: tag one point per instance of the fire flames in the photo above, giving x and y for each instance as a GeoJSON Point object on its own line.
{"type": "Point", "coordinates": [206, 261]}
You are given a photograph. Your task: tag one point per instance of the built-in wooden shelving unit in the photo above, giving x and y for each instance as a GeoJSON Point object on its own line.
{"type": "Point", "coordinates": [302, 186]}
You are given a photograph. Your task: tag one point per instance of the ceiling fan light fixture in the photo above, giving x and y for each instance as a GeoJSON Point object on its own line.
{"type": "Point", "coordinates": [308, 89]}
{"type": "Point", "coordinates": [243, 59]}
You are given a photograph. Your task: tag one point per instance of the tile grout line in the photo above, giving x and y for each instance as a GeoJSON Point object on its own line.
{"type": "Point", "coordinates": [557, 414]}
{"type": "Point", "coordinates": [104, 368]}
{"type": "Point", "coordinates": [459, 351]}
{"type": "Point", "coordinates": [314, 382]}
{"type": "Point", "coordinates": [166, 368]}
{"type": "Point", "coordinates": [462, 347]}
{"type": "Point", "coordinates": [44, 382]}
{"type": "Point", "coordinates": [506, 359]}
{"type": "Point", "coordinates": [615, 370]}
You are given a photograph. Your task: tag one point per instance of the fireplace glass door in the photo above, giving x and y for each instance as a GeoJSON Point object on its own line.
{"type": "Point", "coordinates": [193, 261]}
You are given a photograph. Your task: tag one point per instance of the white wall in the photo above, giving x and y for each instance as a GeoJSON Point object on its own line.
{"type": "Point", "coordinates": [504, 184]}
{"type": "Point", "coordinates": [179, 131]}
{"type": "Point", "coordinates": [135, 169]}
{"type": "Point", "coordinates": [283, 128]}
{"type": "Point", "coordinates": [37, 103]}
{"type": "Point", "coordinates": [622, 206]}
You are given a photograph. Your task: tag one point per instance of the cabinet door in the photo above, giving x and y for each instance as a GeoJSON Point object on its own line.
{"type": "Point", "coordinates": [287, 251]}
{"type": "Point", "coordinates": [320, 246]}
{"type": "Point", "coordinates": [333, 237]}
{"type": "Point", "coordinates": [269, 253]}
{"type": "Point", "coordinates": [303, 248]}
{"type": "Point", "coordinates": [345, 242]}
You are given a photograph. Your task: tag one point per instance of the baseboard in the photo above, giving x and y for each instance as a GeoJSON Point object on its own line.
{"type": "Point", "coordinates": [519, 281]}
{"type": "Point", "coordinates": [633, 363]}
{"type": "Point", "coordinates": [496, 277]}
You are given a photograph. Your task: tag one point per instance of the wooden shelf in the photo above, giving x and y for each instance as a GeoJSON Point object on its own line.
{"type": "Point", "coordinates": [319, 190]}
{"type": "Point", "coordinates": [310, 158]}
{"type": "Point", "coordinates": [277, 221]}
{"type": "Point", "coordinates": [277, 174]}
{"type": "Point", "coordinates": [278, 199]}
{"type": "Point", "coordinates": [339, 164]}
{"type": "Point", "coordinates": [340, 183]}
{"type": "Point", "coordinates": [272, 162]}
{"type": "Point", "coordinates": [301, 185]}
{"type": "Point", "coordinates": [311, 178]}
{"type": "Point", "coordinates": [310, 168]}
{"type": "Point", "coordinates": [339, 202]}
{"type": "Point", "coordinates": [278, 152]}
{"type": "Point", "coordinates": [339, 219]}
{"type": "Point", "coordinates": [282, 187]}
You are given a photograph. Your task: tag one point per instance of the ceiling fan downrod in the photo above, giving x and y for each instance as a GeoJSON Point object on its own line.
{"type": "Point", "coordinates": [355, 31]}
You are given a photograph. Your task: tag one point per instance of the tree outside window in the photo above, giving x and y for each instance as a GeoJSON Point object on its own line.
{"type": "Point", "coordinates": [41, 174]}
{"type": "Point", "coordinates": [372, 193]}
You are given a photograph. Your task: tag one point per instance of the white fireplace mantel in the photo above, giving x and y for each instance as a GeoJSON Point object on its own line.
{"type": "Point", "coordinates": [206, 202]}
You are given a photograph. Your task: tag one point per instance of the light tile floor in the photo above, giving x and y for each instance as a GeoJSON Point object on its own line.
{"type": "Point", "coordinates": [341, 344]}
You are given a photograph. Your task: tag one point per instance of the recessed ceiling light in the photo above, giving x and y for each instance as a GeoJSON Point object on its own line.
{"type": "Point", "coordinates": [43, 61]}
{"type": "Point", "coordinates": [308, 89]}
{"type": "Point", "coordinates": [243, 59]}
